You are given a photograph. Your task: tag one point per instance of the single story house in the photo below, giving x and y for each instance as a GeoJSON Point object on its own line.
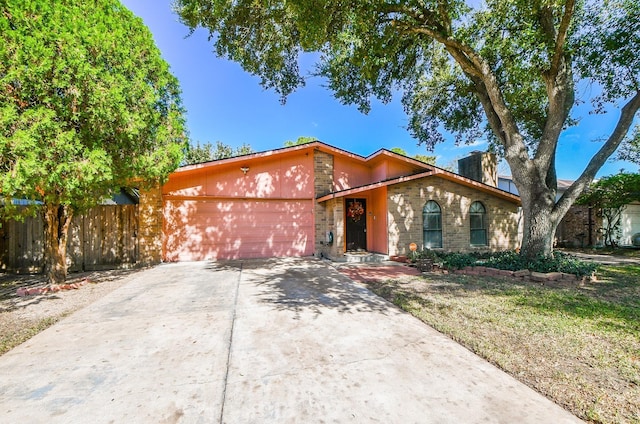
{"type": "Point", "coordinates": [316, 199]}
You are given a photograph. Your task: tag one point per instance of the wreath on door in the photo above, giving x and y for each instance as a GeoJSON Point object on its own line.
{"type": "Point", "coordinates": [355, 211]}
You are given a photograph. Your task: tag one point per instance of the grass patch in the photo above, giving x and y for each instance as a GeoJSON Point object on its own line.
{"type": "Point", "coordinates": [11, 339]}
{"type": "Point", "coordinates": [578, 346]}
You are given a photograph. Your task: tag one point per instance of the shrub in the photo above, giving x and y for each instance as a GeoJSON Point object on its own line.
{"type": "Point", "coordinates": [512, 261]}
{"type": "Point", "coordinates": [458, 260]}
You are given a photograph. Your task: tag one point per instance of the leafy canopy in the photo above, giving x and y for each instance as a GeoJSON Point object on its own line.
{"type": "Point", "coordinates": [431, 160]}
{"type": "Point", "coordinates": [87, 104]}
{"type": "Point", "coordinates": [208, 152]}
{"type": "Point", "coordinates": [613, 192]}
{"type": "Point", "coordinates": [300, 140]}
{"type": "Point", "coordinates": [438, 54]}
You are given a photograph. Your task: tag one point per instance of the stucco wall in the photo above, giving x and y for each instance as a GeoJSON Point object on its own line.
{"type": "Point", "coordinates": [406, 201]}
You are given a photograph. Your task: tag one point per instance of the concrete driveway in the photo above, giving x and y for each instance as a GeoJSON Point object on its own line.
{"type": "Point", "coordinates": [259, 341]}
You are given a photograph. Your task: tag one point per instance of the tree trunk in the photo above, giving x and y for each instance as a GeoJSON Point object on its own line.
{"type": "Point", "coordinates": [57, 219]}
{"type": "Point", "coordinates": [540, 221]}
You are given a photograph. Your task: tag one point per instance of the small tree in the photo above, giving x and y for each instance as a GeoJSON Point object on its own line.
{"type": "Point", "coordinates": [300, 140]}
{"type": "Point", "coordinates": [612, 194]}
{"type": "Point", "coordinates": [87, 105]}
{"type": "Point", "coordinates": [207, 152]}
{"type": "Point", "coordinates": [431, 160]}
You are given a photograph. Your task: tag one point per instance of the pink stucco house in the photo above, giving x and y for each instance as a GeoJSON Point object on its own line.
{"type": "Point", "coordinates": [316, 199]}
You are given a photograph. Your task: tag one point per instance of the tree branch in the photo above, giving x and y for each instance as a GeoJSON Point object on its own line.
{"type": "Point", "coordinates": [627, 115]}
{"type": "Point", "coordinates": [561, 37]}
{"type": "Point", "coordinates": [559, 86]}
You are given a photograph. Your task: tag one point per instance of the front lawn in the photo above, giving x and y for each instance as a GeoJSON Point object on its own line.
{"type": "Point", "coordinates": [578, 346]}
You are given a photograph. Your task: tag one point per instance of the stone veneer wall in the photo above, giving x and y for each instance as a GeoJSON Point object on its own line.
{"type": "Point", "coordinates": [150, 226]}
{"type": "Point", "coordinates": [323, 213]}
{"type": "Point", "coordinates": [406, 201]}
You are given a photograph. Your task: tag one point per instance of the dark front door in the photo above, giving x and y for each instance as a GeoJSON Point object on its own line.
{"type": "Point", "coordinates": [356, 219]}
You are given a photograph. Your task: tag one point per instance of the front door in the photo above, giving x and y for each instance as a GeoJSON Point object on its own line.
{"type": "Point", "coordinates": [356, 227]}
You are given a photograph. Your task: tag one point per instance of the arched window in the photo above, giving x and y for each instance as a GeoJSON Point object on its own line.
{"type": "Point", "coordinates": [432, 225]}
{"type": "Point", "coordinates": [478, 224]}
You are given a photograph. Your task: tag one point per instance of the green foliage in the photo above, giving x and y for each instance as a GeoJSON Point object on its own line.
{"type": "Point", "coordinates": [457, 260]}
{"type": "Point", "coordinates": [612, 191]}
{"type": "Point", "coordinates": [87, 104]}
{"type": "Point", "coordinates": [208, 152]}
{"type": "Point", "coordinates": [431, 160]}
{"type": "Point", "coordinates": [512, 261]}
{"type": "Point", "coordinates": [426, 49]}
{"type": "Point", "coordinates": [300, 140]}
{"type": "Point", "coordinates": [630, 149]}
{"type": "Point", "coordinates": [611, 194]}
{"type": "Point", "coordinates": [399, 150]}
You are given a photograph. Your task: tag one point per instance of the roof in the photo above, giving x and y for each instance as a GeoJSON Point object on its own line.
{"type": "Point", "coordinates": [421, 169]}
{"type": "Point", "coordinates": [314, 145]}
{"type": "Point", "coordinates": [435, 172]}
{"type": "Point", "coordinates": [562, 185]}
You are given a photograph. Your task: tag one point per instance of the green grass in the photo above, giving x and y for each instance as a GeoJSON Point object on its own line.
{"type": "Point", "coordinates": [579, 346]}
{"type": "Point", "coordinates": [14, 338]}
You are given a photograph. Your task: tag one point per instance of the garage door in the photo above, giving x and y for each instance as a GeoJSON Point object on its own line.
{"type": "Point", "coordinates": [232, 229]}
{"type": "Point", "coordinates": [630, 224]}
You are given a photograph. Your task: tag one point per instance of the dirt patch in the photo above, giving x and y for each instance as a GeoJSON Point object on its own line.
{"type": "Point", "coordinates": [23, 317]}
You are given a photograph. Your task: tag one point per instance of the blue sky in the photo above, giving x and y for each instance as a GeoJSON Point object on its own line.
{"type": "Point", "coordinates": [225, 103]}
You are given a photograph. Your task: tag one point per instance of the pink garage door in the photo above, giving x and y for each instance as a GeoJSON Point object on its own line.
{"type": "Point", "coordinates": [197, 230]}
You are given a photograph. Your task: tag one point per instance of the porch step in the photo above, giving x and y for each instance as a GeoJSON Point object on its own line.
{"type": "Point", "coordinates": [365, 257]}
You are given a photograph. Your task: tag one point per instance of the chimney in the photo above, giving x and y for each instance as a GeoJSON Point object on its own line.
{"type": "Point", "coordinates": [481, 167]}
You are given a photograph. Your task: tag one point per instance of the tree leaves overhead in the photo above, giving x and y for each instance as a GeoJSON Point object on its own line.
{"type": "Point", "coordinates": [86, 102]}
{"type": "Point", "coordinates": [607, 48]}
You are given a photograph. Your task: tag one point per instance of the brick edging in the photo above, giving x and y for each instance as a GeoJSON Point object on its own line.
{"type": "Point", "coordinates": [545, 279]}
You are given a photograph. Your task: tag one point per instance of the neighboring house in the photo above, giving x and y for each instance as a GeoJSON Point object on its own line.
{"type": "Point", "coordinates": [582, 225]}
{"type": "Point", "coordinates": [316, 199]}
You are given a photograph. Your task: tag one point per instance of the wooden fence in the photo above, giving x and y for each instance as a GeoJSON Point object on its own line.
{"type": "Point", "coordinates": [103, 238]}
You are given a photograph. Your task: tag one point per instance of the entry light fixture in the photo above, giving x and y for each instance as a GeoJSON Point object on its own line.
{"type": "Point", "coordinates": [245, 169]}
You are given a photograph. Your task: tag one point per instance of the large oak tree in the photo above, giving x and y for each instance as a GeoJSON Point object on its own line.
{"type": "Point", "coordinates": [87, 105]}
{"type": "Point", "coordinates": [507, 69]}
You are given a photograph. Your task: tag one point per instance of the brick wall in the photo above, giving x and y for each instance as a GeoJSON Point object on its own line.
{"type": "Point", "coordinates": [573, 230]}
{"type": "Point", "coordinates": [150, 226]}
{"type": "Point", "coordinates": [323, 213]}
{"type": "Point", "coordinates": [323, 173]}
{"type": "Point", "coordinates": [405, 203]}
{"type": "Point", "coordinates": [480, 166]}
{"type": "Point", "coordinates": [330, 217]}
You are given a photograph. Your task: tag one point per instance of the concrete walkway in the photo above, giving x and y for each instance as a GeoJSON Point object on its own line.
{"type": "Point", "coordinates": [261, 341]}
{"type": "Point", "coordinates": [605, 259]}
